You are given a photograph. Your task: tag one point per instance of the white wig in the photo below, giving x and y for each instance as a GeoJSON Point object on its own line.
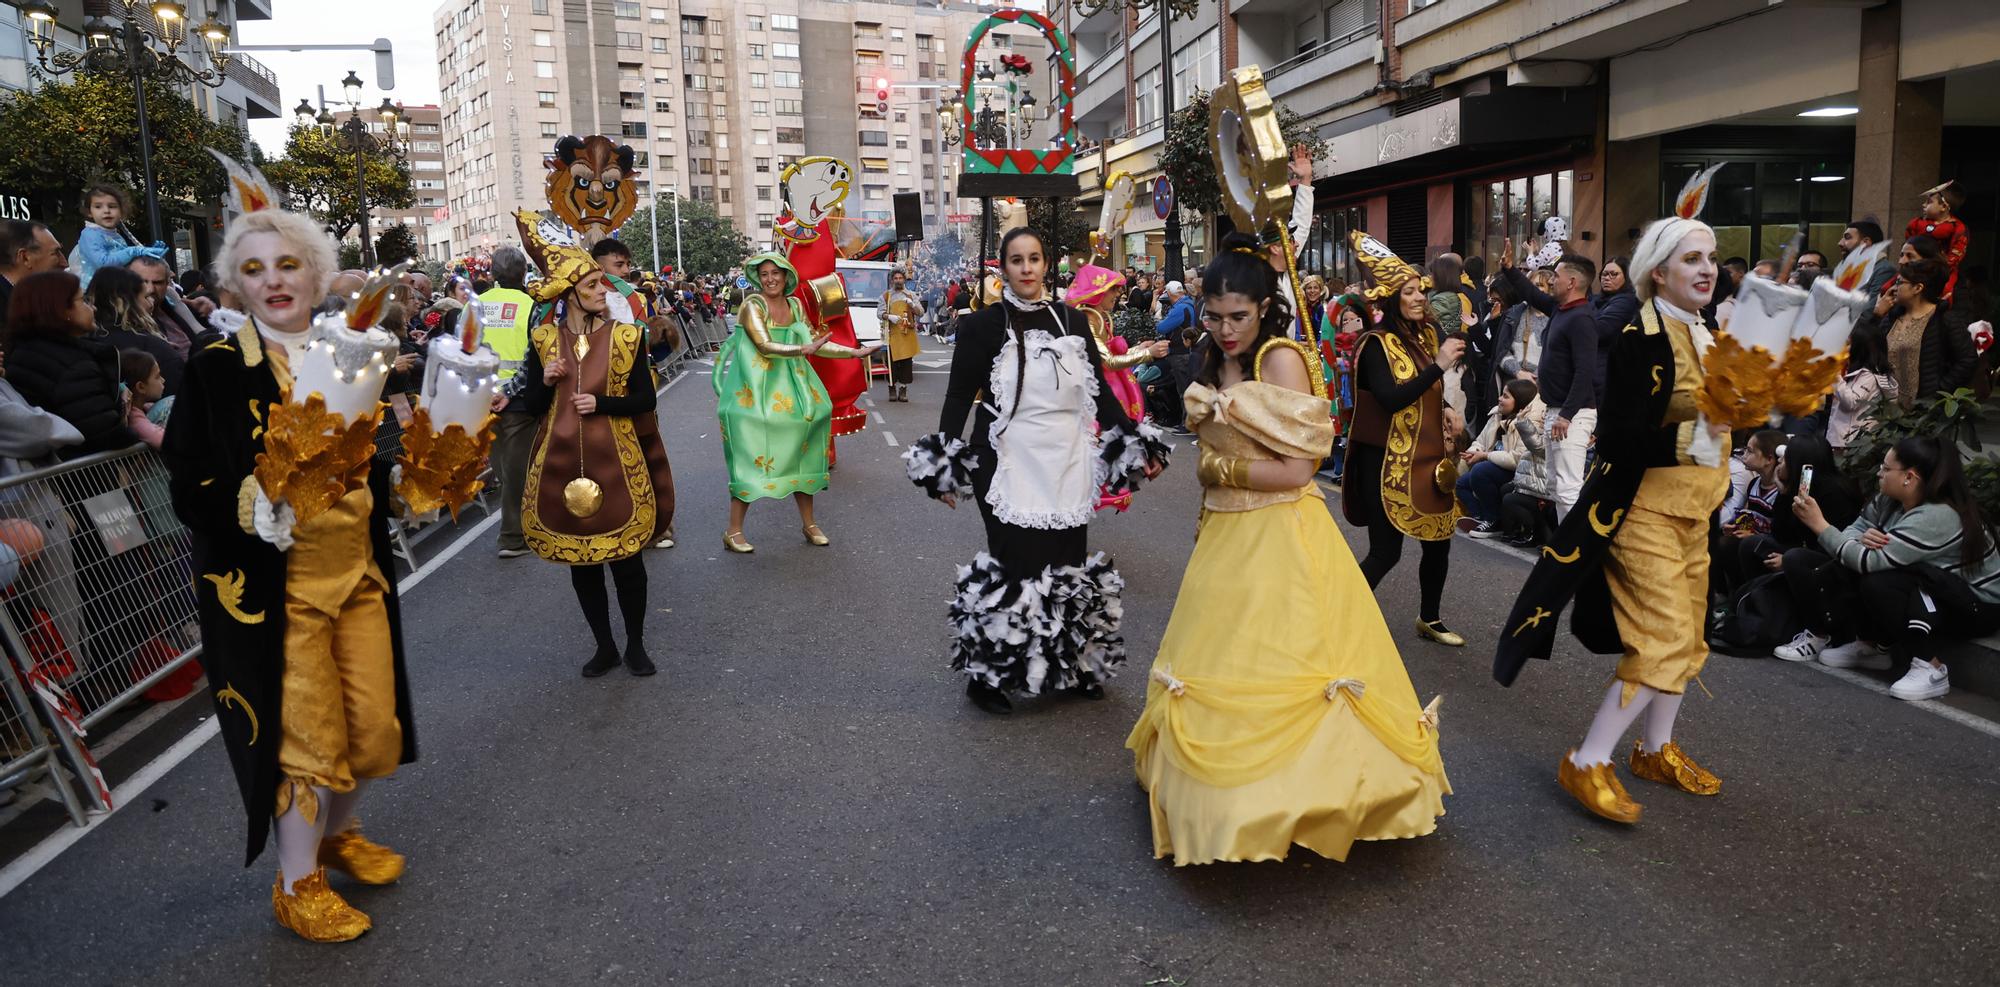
{"type": "Point", "coordinates": [1656, 246]}
{"type": "Point", "coordinates": [299, 233]}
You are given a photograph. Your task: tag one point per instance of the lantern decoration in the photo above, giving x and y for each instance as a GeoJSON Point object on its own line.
{"type": "Point", "coordinates": [1027, 171]}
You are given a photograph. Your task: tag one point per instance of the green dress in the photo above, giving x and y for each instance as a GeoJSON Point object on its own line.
{"type": "Point", "coordinates": [776, 418]}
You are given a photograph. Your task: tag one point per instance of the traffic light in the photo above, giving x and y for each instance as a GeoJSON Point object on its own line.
{"type": "Point", "coordinates": [882, 95]}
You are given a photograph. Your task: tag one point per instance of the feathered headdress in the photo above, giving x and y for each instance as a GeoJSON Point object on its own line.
{"type": "Point", "coordinates": [1694, 195]}
{"type": "Point", "coordinates": [249, 191]}
{"type": "Point", "coordinates": [564, 265]}
{"type": "Point", "coordinates": [1388, 271]}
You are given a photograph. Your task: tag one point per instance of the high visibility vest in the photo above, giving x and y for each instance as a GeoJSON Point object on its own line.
{"type": "Point", "coordinates": [503, 323]}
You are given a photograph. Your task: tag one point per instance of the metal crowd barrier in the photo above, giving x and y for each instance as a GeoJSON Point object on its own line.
{"type": "Point", "coordinates": [101, 606]}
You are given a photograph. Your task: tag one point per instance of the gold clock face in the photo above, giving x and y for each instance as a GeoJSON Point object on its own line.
{"type": "Point", "coordinates": [583, 497]}
{"type": "Point", "coordinates": [1249, 150]}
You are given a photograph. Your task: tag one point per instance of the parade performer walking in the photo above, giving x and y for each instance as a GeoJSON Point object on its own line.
{"type": "Point", "coordinates": [900, 307]}
{"type": "Point", "coordinates": [1278, 711]}
{"type": "Point", "coordinates": [1035, 612]}
{"type": "Point", "coordinates": [593, 485]}
{"type": "Point", "coordinates": [813, 189]}
{"type": "Point", "coordinates": [1401, 478]}
{"type": "Point", "coordinates": [774, 411]}
{"type": "Point", "coordinates": [1095, 292]}
{"type": "Point", "coordinates": [299, 615]}
{"type": "Point", "coordinates": [1634, 554]}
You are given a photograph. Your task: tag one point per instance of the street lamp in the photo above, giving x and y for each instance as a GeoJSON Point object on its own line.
{"type": "Point", "coordinates": [392, 144]}
{"type": "Point", "coordinates": [126, 46]}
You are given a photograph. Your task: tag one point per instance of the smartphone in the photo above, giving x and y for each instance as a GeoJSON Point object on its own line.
{"type": "Point", "coordinates": [1805, 479]}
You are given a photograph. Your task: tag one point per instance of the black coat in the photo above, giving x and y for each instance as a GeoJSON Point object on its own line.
{"type": "Point", "coordinates": [75, 379]}
{"type": "Point", "coordinates": [1948, 355]}
{"type": "Point", "coordinates": [212, 442]}
{"type": "Point", "coordinates": [1632, 437]}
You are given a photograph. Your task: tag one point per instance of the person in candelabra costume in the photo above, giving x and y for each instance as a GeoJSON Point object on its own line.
{"type": "Point", "coordinates": [1634, 554]}
{"type": "Point", "coordinates": [1278, 710]}
{"type": "Point", "coordinates": [1401, 476]}
{"type": "Point", "coordinates": [1035, 612]}
{"type": "Point", "coordinates": [594, 484]}
{"type": "Point", "coordinates": [299, 621]}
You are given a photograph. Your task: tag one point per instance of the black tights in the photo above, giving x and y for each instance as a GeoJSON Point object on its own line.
{"type": "Point", "coordinates": [1385, 547]}
{"type": "Point", "coordinates": [630, 575]}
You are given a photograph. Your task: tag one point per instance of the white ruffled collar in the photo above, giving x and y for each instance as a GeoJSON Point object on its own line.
{"type": "Point", "coordinates": [1007, 293]}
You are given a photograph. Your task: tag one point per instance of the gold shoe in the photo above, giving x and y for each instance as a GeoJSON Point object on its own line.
{"type": "Point", "coordinates": [1598, 788]}
{"type": "Point", "coordinates": [816, 536]}
{"type": "Point", "coordinates": [360, 858]}
{"type": "Point", "coordinates": [733, 540]}
{"type": "Point", "coordinates": [1436, 631]}
{"type": "Point", "coordinates": [1671, 766]}
{"type": "Point", "coordinates": [315, 911]}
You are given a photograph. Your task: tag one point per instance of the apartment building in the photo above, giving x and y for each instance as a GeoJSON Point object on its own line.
{"type": "Point", "coordinates": [715, 96]}
{"type": "Point", "coordinates": [1457, 123]}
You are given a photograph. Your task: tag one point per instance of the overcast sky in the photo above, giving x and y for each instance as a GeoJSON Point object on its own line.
{"type": "Point", "coordinates": [406, 23]}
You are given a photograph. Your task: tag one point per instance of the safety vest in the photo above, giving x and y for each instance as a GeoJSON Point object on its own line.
{"type": "Point", "coordinates": [503, 322]}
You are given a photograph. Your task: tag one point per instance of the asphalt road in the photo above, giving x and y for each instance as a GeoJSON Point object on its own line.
{"type": "Point", "coordinates": [803, 796]}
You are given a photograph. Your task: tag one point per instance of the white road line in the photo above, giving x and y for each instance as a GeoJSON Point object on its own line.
{"type": "Point", "coordinates": [1931, 706]}
{"type": "Point", "coordinates": [32, 794]}
{"type": "Point", "coordinates": [890, 437]}
{"type": "Point", "coordinates": [878, 418]}
{"type": "Point", "coordinates": [124, 794]}
{"type": "Point", "coordinates": [28, 864]}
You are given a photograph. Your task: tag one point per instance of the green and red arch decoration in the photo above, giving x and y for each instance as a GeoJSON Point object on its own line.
{"type": "Point", "coordinates": [1027, 164]}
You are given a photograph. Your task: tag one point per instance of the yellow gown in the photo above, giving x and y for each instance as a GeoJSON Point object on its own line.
{"type": "Point", "coordinates": [1278, 710]}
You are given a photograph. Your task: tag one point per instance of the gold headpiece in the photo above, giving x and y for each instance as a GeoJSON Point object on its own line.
{"type": "Point", "coordinates": [563, 265]}
{"type": "Point", "coordinates": [1388, 271]}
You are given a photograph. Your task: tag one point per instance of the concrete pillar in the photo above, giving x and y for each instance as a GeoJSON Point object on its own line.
{"type": "Point", "coordinates": [1632, 195]}
{"type": "Point", "coordinates": [1898, 135]}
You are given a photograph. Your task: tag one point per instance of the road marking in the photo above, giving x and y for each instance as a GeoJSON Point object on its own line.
{"type": "Point", "coordinates": [31, 795]}
{"type": "Point", "coordinates": [42, 854]}
{"type": "Point", "coordinates": [39, 856]}
{"type": "Point", "coordinates": [1931, 706]}
{"type": "Point", "coordinates": [878, 418]}
{"type": "Point", "coordinates": [889, 437]}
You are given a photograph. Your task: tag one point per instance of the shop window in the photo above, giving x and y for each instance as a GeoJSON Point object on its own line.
{"type": "Point", "coordinates": [1515, 208]}
{"type": "Point", "coordinates": [1756, 207]}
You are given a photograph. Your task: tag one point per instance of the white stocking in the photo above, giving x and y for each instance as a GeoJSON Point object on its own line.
{"type": "Point", "coordinates": [298, 840]}
{"type": "Point", "coordinates": [1660, 715]}
{"type": "Point", "coordinates": [1610, 724]}
{"type": "Point", "coordinates": [340, 807]}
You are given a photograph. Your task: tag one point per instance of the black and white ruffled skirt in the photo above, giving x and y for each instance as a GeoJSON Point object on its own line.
{"type": "Point", "coordinates": [1054, 630]}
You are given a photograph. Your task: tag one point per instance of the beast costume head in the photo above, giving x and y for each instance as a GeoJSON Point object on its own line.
{"type": "Point", "coordinates": [590, 185]}
{"type": "Point", "coordinates": [812, 187]}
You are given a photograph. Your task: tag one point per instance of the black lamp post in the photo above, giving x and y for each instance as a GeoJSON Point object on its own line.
{"type": "Point", "coordinates": [124, 45]}
{"type": "Point", "coordinates": [363, 142]}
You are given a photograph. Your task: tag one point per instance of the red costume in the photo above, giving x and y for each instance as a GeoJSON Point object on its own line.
{"type": "Point", "coordinates": [812, 252]}
{"type": "Point", "coordinates": [1951, 233]}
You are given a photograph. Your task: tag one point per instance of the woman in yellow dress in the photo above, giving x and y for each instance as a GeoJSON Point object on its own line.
{"type": "Point", "coordinates": [1278, 711]}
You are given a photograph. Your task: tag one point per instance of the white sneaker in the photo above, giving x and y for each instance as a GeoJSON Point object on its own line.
{"type": "Point", "coordinates": [1805, 646]}
{"type": "Point", "coordinates": [1922, 681]}
{"type": "Point", "coordinates": [1856, 654]}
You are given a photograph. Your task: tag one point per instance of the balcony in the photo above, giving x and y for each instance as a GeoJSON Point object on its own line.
{"type": "Point", "coordinates": [1103, 89]}
{"type": "Point", "coordinates": [1327, 72]}
{"type": "Point", "coordinates": [253, 10]}
{"type": "Point", "coordinates": [260, 87]}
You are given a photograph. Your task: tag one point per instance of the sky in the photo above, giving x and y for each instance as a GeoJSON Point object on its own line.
{"type": "Point", "coordinates": [406, 23]}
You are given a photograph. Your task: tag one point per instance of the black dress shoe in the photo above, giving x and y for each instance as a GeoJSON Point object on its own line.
{"type": "Point", "coordinates": [603, 661]}
{"type": "Point", "coordinates": [639, 664]}
{"type": "Point", "coordinates": [1089, 689]}
{"type": "Point", "coordinates": [988, 698]}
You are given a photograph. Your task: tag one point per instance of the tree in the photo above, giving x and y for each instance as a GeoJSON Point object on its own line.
{"type": "Point", "coordinates": [709, 244]}
{"type": "Point", "coordinates": [1185, 153]}
{"type": "Point", "coordinates": [396, 245]}
{"type": "Point", "coordinates": [318, 170]}
{"type": "Point", "coordinates": [1059, 219]}
{"type": "Point", "coordinates": [56, 139]}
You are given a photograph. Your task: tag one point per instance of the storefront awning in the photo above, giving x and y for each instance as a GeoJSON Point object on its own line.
{"type": "Point", "coordinates": [1492, 124]}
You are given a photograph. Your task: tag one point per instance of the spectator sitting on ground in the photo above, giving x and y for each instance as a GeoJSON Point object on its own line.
{"type": "Point", "coordinates": [1512, 435]}
{"type": "Point", "coordinates": [1749, 511]}
{"type": "Point", "coordinates": [56, 365]}
{"type": "Point", "coordinates": [118, 296]}
{"type": "Point", "coordinates": [1916, 569]}
{"type": "Point", "coordinates": [145, 389]}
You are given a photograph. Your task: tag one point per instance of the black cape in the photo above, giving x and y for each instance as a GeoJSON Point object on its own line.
{"type": "Point", "coordinates": [211, 446]}
{"type": "Point", "coordinates": [1631, 437]}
